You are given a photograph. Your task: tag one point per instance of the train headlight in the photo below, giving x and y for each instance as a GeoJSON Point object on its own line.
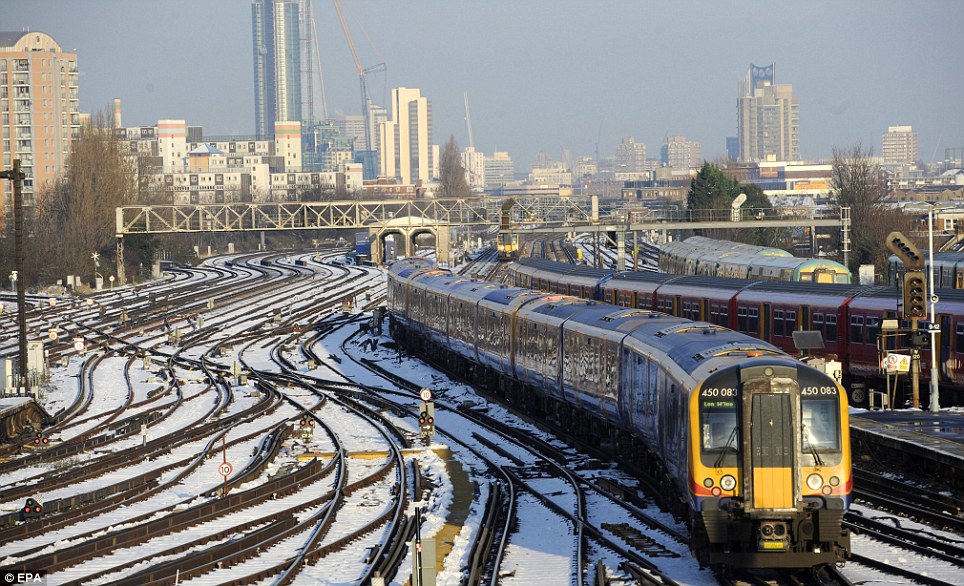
{"type": "Point", "coordinates": [834, 481]}
{"type": "Point", "coordinates": [727, 483]}
{"type": "Point", "coordinates": [814, 481]}
{"type": "Point", "coordinates": [708, 483]}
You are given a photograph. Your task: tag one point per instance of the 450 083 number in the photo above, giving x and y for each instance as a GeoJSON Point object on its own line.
{"type": "Point", "coordinates": [719, 392]}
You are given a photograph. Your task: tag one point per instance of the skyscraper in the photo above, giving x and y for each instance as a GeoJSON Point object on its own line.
{"type": "Point", "coordinates": [276, 36]}
{"type": "Point", "coordinates": [767, 118]}
{"type": "Point", "coordinates": [900, 146]}
{"type": "Point", "coordinates": [405, 143]}
{"type": "Point", "coordinates": [679, 153]}
{"type": "Point", "coordinates": [630, 156]}
{"type": "Point", "coordinates": [39, 111]}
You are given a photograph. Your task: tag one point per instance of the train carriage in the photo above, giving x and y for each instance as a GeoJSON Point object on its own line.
{"type": "Point", "coordinates": [537, 332]}
{"type": "Point", "coordinates": [704, 256]}
{"type": "Point", "coordinates": [634, 289]}
{"type": "Point", "coordinates": [948, 269]}
{"type": "Point", "coordinates": [495, 314]}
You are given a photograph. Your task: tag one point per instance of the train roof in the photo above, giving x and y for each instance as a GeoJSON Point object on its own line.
{"type": "Point", "coordinates": [714, 244]}
{"type": "Point", "coordinates": [618, 320]}
{"type": "Point", "coordinates": [691, 343]}
{"type": "Point", "coordinates": [562, 267]}
{"type": "Point", "coordinates": [405, 267]}
{"type": "Point", "coordinates": [505, 294]}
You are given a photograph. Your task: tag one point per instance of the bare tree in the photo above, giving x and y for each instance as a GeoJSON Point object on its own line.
{"type": "Point", "coordinates": [75, 216]}
{"type": "Point", "coordinates": [452, 173]}
{"type": "Point", "coordinates": [857, 183]}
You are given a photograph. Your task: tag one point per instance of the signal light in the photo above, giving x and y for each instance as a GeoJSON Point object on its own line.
{"type": "Point", "coordinates": [905, 250]}
{"type": "Point", "coordinates": [41, 439]}
{"type": "Point", "coordinates": [915, 295]}
{"type": "Point", "coordinates": [32, 509]}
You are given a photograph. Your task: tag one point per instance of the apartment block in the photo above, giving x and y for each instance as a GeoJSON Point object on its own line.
{"type": "Point", "coordinates": [39, 112]}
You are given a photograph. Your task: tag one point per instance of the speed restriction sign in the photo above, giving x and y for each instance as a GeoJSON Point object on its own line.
{"type": "Point", "coordinates": [225, 469]}
{"type": "Point", "coordinates": [425, 394]}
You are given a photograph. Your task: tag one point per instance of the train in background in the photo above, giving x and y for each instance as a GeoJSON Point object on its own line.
{"type": "Point", "coordinates": [948, 269]}
{"type": "Point", "coordinates": [849, 318]}
{"type": "Point", "coordinates": [754, 443]}
{"type": "Point", "coordinates": [699, 255]}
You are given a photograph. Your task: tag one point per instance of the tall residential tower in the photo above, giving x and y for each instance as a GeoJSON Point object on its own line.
{"type": "Point", "coordinates": [405, 142]}
{"type": "Point", "coordinates": [767, 118]}
{"type": "Point", "coordinates": [39, 111]}
{"type": "Point", "coordinates": [276, 35]}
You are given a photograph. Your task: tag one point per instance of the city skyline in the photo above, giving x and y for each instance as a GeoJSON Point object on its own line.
{"type": "Point", "coordinates": [542, 76]}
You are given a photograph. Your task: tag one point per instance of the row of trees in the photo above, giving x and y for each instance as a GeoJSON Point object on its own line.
{"type": "Point", "coordinates": [74, 217]}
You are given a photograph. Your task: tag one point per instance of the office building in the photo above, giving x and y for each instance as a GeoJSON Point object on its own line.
{"type": "Point", "coordinates": [900, 146]}
{"type": "Point", "coordinates": [767, 118]}
{"type": "Point", "coordinates": [681, 154]}
{"type": "Point", "coordinates": [630, 156]}
{"type": "Point", "coordinates": [499, 170]}
{"type": "Point", "coordinates": [276, 37]}
{"type": "Point", "coordinates": [474, 163]}
{"type": "Point", "coordinates": [39, 112]}
{"type": "Point", "coordinates": [405, 149]}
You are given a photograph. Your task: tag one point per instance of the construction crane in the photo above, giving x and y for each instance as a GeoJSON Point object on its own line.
{"type": "Point", "coordinates": [366, 101]}
{"type": "Point", "coordinates": [468, 120]}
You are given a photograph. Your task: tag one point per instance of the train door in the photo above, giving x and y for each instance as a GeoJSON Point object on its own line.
{"type": "Point", "coordinates": [771, 451]}
{"type": "Point", "coordinates": [944, 345]}
{"type": "Point", "coordinates": [766, 324]}
{"type": "Point", "coordinates": [705, 309]}
{"type": "Point", "coordinates": [677, 305]}
{"type": "Point", "coordinates": [803, 319]}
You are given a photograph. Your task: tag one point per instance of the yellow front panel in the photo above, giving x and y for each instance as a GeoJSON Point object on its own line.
{"type": "Point", "coordinates": [772, 488]}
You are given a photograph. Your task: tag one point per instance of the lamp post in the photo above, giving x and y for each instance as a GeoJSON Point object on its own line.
{"type": "Point", "coordinates": [935, 406]}
{"type": "Point", "coordinates": [17, 176]}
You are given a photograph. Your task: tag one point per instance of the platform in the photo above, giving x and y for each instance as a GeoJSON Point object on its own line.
{"type": "Point", "coordinates": [912, 439]}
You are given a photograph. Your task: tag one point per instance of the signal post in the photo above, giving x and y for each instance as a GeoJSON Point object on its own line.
{"type": "Point", "coordinates": [914, 301]}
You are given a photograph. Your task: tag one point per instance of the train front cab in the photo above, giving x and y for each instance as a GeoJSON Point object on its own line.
{"type": "Point", "coordinates": [770, 475]}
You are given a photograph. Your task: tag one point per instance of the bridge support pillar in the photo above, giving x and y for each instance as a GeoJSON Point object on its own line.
{"type": "Point", "coordinates": [620, 250]}
{"type": "Point", "coordinates": [121, 275]}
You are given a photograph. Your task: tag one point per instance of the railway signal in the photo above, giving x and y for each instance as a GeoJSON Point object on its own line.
{"type": "Point", "coordinates": [906, 251]}
{"type": "Point", "coordinates": [915, 295]}
{"type": "Point", "coordinates": [32, 509]}
{"type": "Point", "coordinates": [41, 439]}
{"type": "Point", "coordinates": [307, 427]}
{"type": "Point", "coordinates": [426, 418]}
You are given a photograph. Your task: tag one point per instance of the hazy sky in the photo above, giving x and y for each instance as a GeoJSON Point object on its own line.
{"type": "Point", "coordinates": [542, 74]}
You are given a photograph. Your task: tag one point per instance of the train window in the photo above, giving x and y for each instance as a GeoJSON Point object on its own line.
{"type": "Point", "coordinates": [691, 310]}
{"type": "Point", "coordinates": [741, 319]}
{"type": "Point", "coordinates": [857, 329]}
{"type": "Point", "coordinates": [778, 322]}
{"type": "Point", "coordinates": [720, 431]}
{"type": "Point", "coordinates": [753, 320]}
{"type": "Point", "coordinates": [831, 332]}
{"type": "Point", "coordinates": [790, 322]}
{"type": "Point", "coordinates": [959, 338]}
{"type": "Point", "coordinates": [821, 427]}
{"type": "Point", "coordinates": [873, 330]}
{"type": "Point", "coordinates": [718, 314]}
